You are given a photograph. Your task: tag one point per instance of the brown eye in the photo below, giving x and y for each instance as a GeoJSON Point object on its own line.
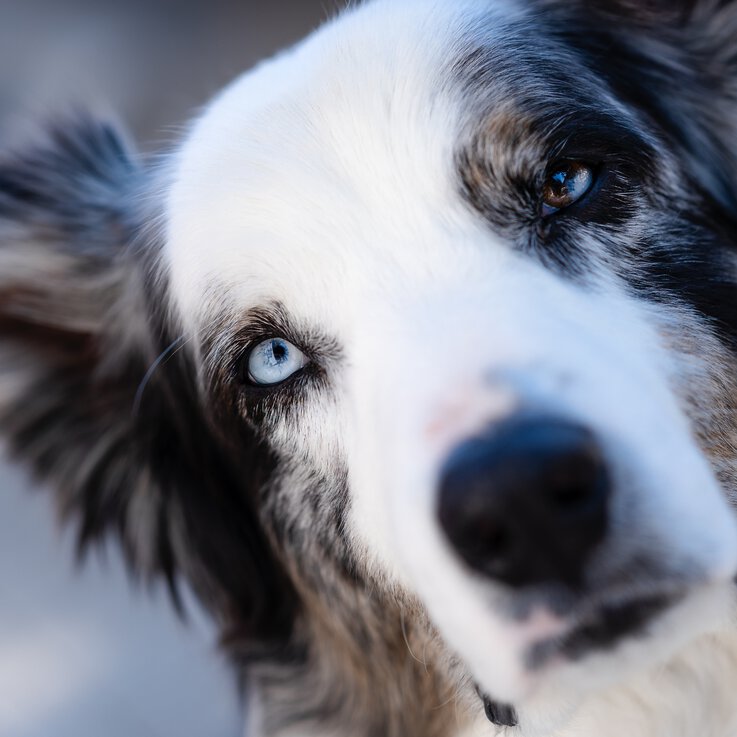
{"type": "Point", "coordinates": [566, 183]}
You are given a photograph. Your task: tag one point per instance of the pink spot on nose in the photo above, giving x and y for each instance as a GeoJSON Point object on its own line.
{"type": "Point", "coordinates": [472, 408]}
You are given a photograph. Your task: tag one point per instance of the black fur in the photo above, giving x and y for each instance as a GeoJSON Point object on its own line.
{"type": "Point", "coordinates": [81, 324]}
{"type": "Point", "coordinates": [673, 68]}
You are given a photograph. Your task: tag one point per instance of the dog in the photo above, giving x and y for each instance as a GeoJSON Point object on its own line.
{"type": "Point", "coordinates": [416, 359]}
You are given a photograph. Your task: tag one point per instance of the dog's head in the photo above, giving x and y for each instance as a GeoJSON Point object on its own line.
{"type": "Point", "coordinates": [433, 314]}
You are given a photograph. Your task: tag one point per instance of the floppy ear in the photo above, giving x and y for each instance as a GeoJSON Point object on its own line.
{"type": "Point", "coordinates": [675, 60]}
{"type": "Point", "coordinates": [98, 395]}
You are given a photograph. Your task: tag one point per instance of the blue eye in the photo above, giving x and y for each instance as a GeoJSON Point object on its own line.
{"type": "Point", "coordinates": [274, 361]}
{"type": "Point", "coordinates": [566, 184]}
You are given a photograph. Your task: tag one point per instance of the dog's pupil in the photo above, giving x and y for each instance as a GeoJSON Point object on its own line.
{"type": "Point", "coordinates": [279, 350]}
{"type": "Point", "coordinates": [557, 191]}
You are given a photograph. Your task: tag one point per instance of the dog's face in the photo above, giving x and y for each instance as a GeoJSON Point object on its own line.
{"type": "Point", "coordinates": [365, 241]}
{"type": "Point", "coordinates": [468, 290]}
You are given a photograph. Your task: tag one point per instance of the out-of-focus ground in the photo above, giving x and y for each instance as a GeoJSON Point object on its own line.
{"type": "Point", "coordinates": [81, 654]}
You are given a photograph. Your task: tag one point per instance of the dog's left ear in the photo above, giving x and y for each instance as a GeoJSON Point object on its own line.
{"type": "Point", "coordinates": [98, 395]}
{"type": "Point", "coordinates": [675, 61]}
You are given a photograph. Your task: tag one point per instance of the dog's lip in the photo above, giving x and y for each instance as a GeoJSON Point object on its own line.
{"type": "Point", "coordinates": [603, 628]}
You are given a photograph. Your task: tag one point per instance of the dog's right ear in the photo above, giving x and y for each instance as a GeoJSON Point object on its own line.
{"type": "Point", "coordinates": [98, 396]}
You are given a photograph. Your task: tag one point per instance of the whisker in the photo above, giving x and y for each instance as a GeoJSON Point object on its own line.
{"type": "Point", "coordinates": [166, 354]}
{"type": "Point", "coordinates": [406, 641]}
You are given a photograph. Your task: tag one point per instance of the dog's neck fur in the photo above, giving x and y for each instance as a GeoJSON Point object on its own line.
{"type": "Point", "coordinates": [693, 696]}
{"type": "Point", "coordinates": [370, 666]}
{"type": "Point", "coordinates": [356, 696]}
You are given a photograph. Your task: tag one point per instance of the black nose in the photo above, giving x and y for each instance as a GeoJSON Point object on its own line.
{"type": "Point", "coordinates": [526, 502]}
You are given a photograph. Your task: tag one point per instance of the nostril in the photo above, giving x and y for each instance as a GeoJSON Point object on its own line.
{"type": "Point", "coordinates": [570, 497]}
{"type": "Point", "coordinates": [578, 486]}
{"type": "Point", "coordinates": [581, 482]}
{"type": "Point", "coordinates": [498, 541]}
{"type": "Point", "coordinates": [491, 542]}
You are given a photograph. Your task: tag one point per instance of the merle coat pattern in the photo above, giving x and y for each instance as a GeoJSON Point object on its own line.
{"type": "Point", "coordinates": [373, 198]}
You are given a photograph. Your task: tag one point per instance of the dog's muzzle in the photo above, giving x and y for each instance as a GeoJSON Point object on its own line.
{"type": "Point", "coordinates": [526, 502]}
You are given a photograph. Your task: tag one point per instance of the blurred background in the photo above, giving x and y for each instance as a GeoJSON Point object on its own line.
{"type": "Point", "coordinates": [81, 653]}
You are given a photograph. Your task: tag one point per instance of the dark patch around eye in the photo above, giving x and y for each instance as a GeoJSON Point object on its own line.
{"type": "Point", "coordinates": [502, 173]}
{"type": "Point", "coordinates": [530, 114]}
{"type": "Point", "coordinates": [227, 346]}
{"type": "Point", "coordinates": [662, 86]}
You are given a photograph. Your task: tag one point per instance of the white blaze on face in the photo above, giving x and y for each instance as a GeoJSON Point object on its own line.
{"type": "Point", "coordinates": [325, 181]}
